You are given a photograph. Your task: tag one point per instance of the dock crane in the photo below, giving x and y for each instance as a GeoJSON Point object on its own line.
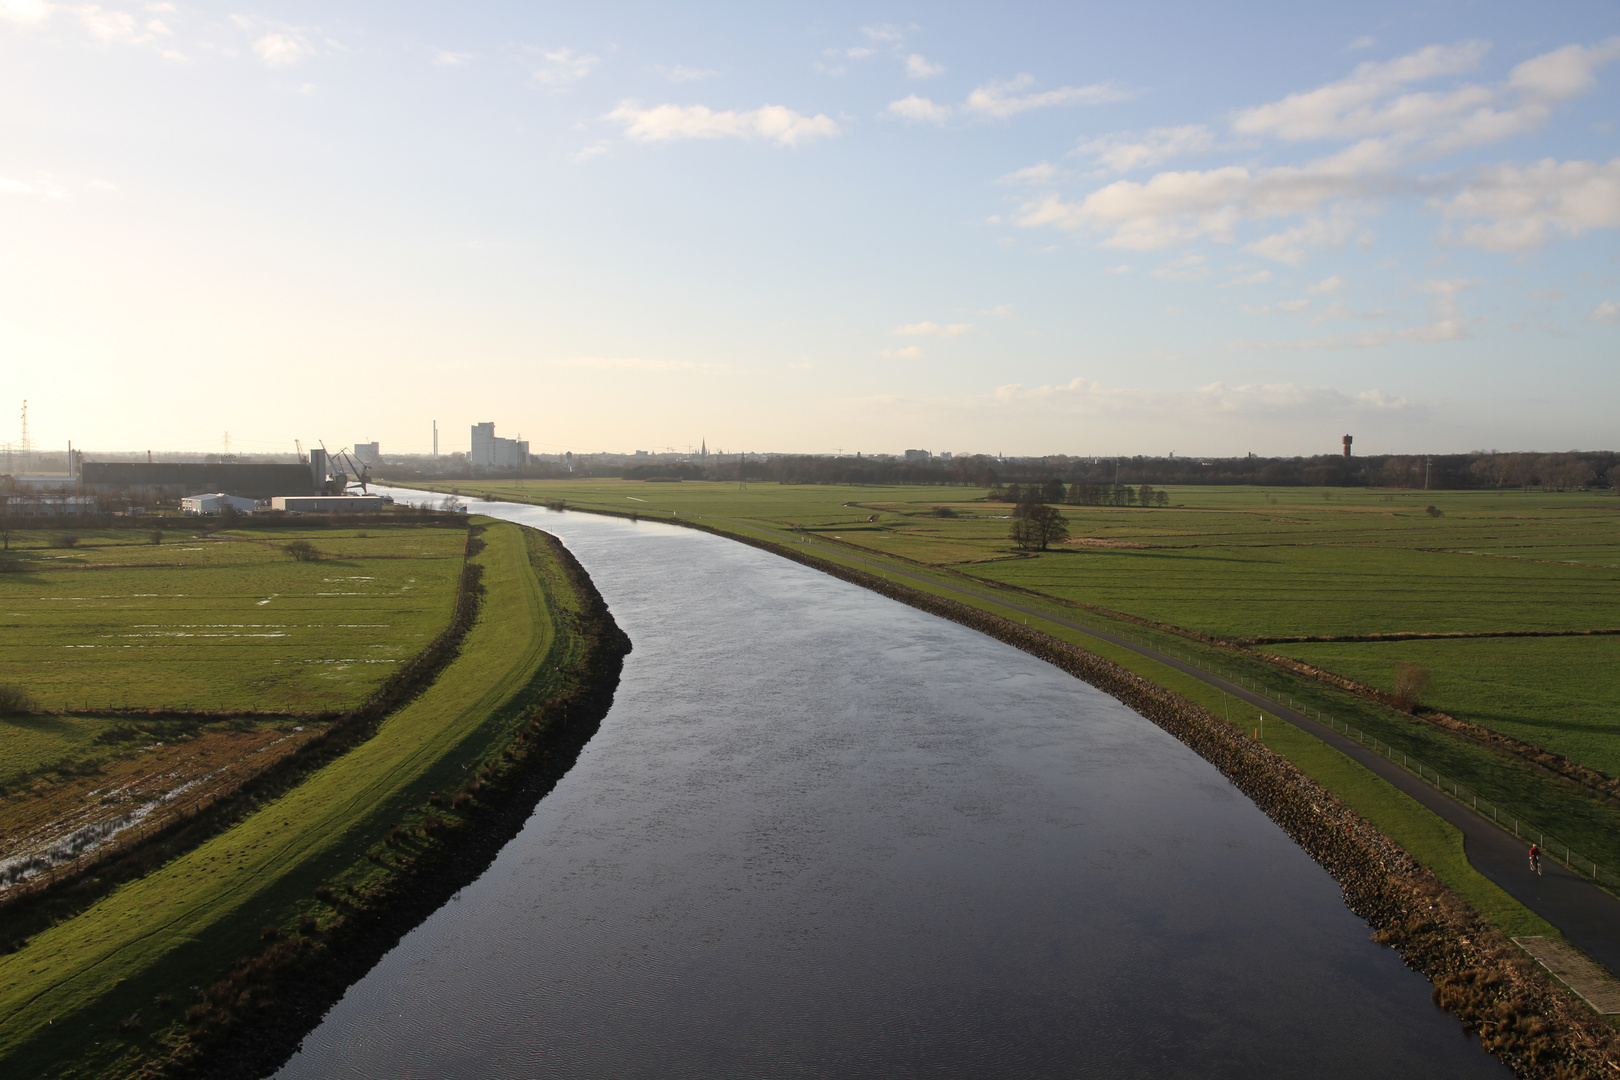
{"type": "Point", "coordinates": [361, 473]}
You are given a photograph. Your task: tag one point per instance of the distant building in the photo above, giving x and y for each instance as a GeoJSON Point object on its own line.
{"type": "Point", "coordinates": [330, 504]}
{"type": "Point", "coordinates": [1347, 441]}
{"type": "Point", "coordinates": [917, 457]}
{"type": "Point", "coordinates": [248, 481]}
{"type": "Point", "coordinates": [489, 451]}
{"type": "Point", "coordinates": [368, 453]}
{"type": "Point", "coordinates": [208, 505]}
{"type": "Point", "coordinates": [46, 505]}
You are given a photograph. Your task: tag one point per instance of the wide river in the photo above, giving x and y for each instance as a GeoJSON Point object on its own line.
{"type": "Point", "coordinates": [822, 834]}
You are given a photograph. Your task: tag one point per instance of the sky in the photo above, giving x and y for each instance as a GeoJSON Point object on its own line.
{"type": "Point", "coordinates": [1074, 228]}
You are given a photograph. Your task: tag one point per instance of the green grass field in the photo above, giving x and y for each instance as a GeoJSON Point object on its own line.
{"type": "Point", "coordinates": [61, 995]}
{"type": "Point", "coordinates": [226, 622]}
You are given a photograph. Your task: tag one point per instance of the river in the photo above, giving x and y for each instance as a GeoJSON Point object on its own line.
{"type": "Point", "coordinates": [823, 834]}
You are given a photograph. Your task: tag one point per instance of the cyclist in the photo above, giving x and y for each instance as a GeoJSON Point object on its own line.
{"type": "Point", "coordinates": [1535, 858]}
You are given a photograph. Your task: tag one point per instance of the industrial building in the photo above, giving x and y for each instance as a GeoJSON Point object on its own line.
{"type": "Point", "coordinates": [207, 505]}
{"type": "Point", "coordinates": [368, 453]}
{"type": "Point", "coordinates": [247, 481]}
{"type": "Point", "coordinates": [489, 451]}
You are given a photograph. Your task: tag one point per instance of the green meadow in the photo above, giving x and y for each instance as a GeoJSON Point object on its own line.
{"type": "Point", "coordinates": [141, 947]}
{"type": "Point", "coordinates": [224, 620]}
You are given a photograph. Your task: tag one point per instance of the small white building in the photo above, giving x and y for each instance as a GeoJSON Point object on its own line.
{"type": "Point", "coordinates": [207, 505]}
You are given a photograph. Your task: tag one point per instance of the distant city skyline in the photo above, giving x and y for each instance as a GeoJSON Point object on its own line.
{"type": "Point", "coordinates": [1084, 229]}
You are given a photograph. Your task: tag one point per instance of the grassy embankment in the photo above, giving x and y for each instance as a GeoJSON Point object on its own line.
{"type": "Point", "coordinates": [1241, 564]}
{"type": "Point", "coordinates": [139, 949]}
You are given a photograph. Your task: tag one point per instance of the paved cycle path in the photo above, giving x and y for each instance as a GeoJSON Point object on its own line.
{"type": "Point", "coordinates": [1588, 916]}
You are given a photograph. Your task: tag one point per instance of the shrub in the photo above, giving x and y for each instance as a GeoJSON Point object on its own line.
{"type": "Point", "coordinates": [1433, 511]}
{"type": "Point", "coordinates": [157, 536]}
{"type": "Point", "coordinates": [1411, 680]}
{"type": "Point", "coordinates": [270, 931]}
{"type": "Point", "coordinates": [12, 566]}
{"type": "Point", "coordinates": [323, 893]}
{"type": "Point", "coordinates": [301, 550]}
{"type": "Point", "coordinates": [64, 540]}
{"type": "Point", "coordinates": [942, 512]}
{"type": "Point", "coordinates": [15, 700]}
{"type": "Point", "coordinates": [308, 925]}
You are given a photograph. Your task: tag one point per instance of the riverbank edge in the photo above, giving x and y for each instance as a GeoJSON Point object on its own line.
{"type": "Point", "coordinates": [294, 983]}
{"type": "Point", "coordinates": [1520, 1015]}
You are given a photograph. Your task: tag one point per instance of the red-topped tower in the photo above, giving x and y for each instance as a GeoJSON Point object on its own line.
{"type": "Point", "coordinates": [1347, 441]}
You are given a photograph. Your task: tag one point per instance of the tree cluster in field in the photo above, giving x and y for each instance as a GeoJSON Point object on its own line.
{"type": "Point", "coordinates": [1081, 493]}
{"type": "Point", "coordinates": [1571, 471]}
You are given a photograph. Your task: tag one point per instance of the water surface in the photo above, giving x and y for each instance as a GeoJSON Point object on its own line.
{"type": "Point", "coordinates": [823, 834]}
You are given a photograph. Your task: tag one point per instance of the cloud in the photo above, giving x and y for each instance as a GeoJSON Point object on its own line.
{"type": "Point", "coordinates": [910, 352]}
{"type": "Point", "coordinates": [1002, 99]}
{"type": "Point", "coordinates": [25, 12]}
{"type": "Point", "coordinates": [919, 109]}
{"type": "Point", "coordinates": [559, 67]}
{"type": "Point", "coordinates": [1326, 286]}
{"type": "Point", "coordinates": [1606, 313]}
{"type": "Point", "coordinates": [1257, 277]}
{"type": "Point", "coordinates": [1122, 268]}
{"type": "Point", "coordinates": [1365, 41]}
{"type": "Point", "coordinates": [1178, 207]}
{"type": "Point", "coordinates": [773, 123]}
{"type": "Point", "coordinates": [445, 58]}
{"type": "Point", "coordinates": [1293, 307]}
{"type": "Point", "coordinates": [1125, 152]}
{"type": "Point", "coordinates": [1002, 311]}
{"type": "Point", "coordinates": [930, 329]}
{"type": "Point", "coordinates": [1186, 268]}
{"type": "Point", "coordinates": [279, 50]}
{"type": "Point", "coordinates": [1375, 100]}
{"type": "Point", "coordinates": [920, 67]}
{"type": "Point", "coordinates": [887, 33]}
{"type": "Point", "coordinates": [1043, 173]}
{"type": "Point", "coordinates": [1513, 208]}
{"type": "Point", "coordinates": [1292, 244]}
{"type": "Point", "coordinates": [585, 153]}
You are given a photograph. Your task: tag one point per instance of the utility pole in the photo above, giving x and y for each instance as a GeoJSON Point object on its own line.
{"type": "Point", "coordinates": [1426, 463]}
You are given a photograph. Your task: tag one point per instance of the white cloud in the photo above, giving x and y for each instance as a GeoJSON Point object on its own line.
{"type": "Point", "coordinates": [25, 12]}
{"type": "Point", "coordinates": [884, 32]}
{"type": "Point", "coordinates": [931, 329]}
{"type": "Point", "coordinates": [910, 352]}
{"type": "Point", "coordinates": [919, 66]}
{"type": "Point", "coordinates": [1002, 311]}
{"type": "Point", "coordinates": [1002, 99]}
{"type": "Point", "coordinates": [1365, 41]}
{"type": "Point", "coordinates": [1186, 268]}
{"type": "Point", "coordinates": [1372, 101]}
{"type": "Point", "coordinates": [559, 67]}
{"type": "Point", "coordinates": [445, 58]}
{"type": "Point", "coordinates": [1293, 307]}
{"type": "Point", "coordinates": [919, 109]}
{"type": "Point", "coordinates": [1607, 313]}
{"type": "Point", "coordinates": [1326, 286]}
{"type": "Point", "coordinates": [1523, 207]}
{"type": "Point", "coordinates": [1292, 244]}
{"type": "Point", "coordinates": [1449, 324]}
{"type": "Point", "coordinates": [1122, 268]}
{"type": "Point", "coordinates": [1250, 309]}
{"type": "Point", "coordinates": [1042, 173]}
{"type": "Point", "coordinates": [774, 123]}
{"type": "Point", "coordinates": [586, 153]}
{"type": "Point", "coordinates": [1127, 151]}
{"type": "Point", "coordinates": [15, 187]}
{"type": "Point", "coordinates": [1256, 277]}
{"type": "Point", "coordinates": [1086, 398]}
{"type": "Point", "coordinates": [283, 49]}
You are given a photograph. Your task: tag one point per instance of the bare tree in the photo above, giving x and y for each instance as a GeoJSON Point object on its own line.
{"type": "Point", "coordinates": [1411, 682]}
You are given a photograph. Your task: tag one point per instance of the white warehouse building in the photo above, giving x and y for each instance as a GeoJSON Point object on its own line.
{"type": "Point", "coordinates": [207, 505]}
{"type": "Point", "coordinates": [489, 451]}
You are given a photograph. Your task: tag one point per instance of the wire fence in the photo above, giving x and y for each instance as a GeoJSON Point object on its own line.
{"type": "Point", "coordinates": [1551, 846]}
